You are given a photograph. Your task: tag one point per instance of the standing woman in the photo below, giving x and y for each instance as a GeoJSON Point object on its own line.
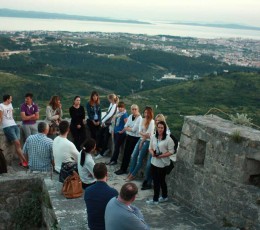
{"type": "Point", "coordinates": [161, 148]}
{"type": "Point", "coordinates": [132, 137]}
{"type": "Point", "coordinates": [147, 184]}
{"type": "Point", "coordinates": [53, 115]}
{"type": "Point", "coordinates": [94, 114]}
{"type": "Point", "coordinates": [77, 124]}
{"type": "Point", "coordinates": [146, 130]}
{"type": "Point", "coordinates": [86, 164]}
{"type": "Point", "coordinates": [106, 121]}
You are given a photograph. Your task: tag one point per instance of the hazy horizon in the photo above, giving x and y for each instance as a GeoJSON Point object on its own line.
{"type": "Point", "coordinates": [196, 11]}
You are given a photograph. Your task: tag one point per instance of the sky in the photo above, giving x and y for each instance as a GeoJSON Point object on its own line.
{"type": "Point", "coordinates": [246, 12]}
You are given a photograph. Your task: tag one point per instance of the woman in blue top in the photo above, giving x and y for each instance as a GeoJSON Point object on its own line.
{"type": "Point", "coordinates": [94, 114]}
{"type": "Point", "coordinates": [119, 132]}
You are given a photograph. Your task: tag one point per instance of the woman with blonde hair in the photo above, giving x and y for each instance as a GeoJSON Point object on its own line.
{"type": "Point", "coordinates": [146, 130]}
{"type": "Point", "coordinates": [53, 115]}
{"type": "Point", "coordinates": [106, 121]}
{"type": "Point", "coordinates": [132, 137]}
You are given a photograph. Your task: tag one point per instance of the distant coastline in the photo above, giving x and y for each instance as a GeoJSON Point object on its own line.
{"type": "Point", "coordinates": [226, 26]}
{"type": "Point", "coordinates": [45, 15]}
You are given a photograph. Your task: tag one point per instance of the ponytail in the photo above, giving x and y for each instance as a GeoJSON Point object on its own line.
{"type": "Point", "coordinates": [88, 146]}
{"type": "Point", "coordinates": [113, 98]}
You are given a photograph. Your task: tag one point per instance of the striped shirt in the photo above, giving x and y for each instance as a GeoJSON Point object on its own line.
{"type": "Point", "coordinates": [38, 147]}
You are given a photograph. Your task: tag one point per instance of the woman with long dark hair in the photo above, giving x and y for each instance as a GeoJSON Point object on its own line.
{"type": "Point", "coordinates": [146, 130]}
{"type": "Point", "coordinates": [77, 124]}
{"type": "Point", "coordinates": [161, 148]}
{"type": "Point", "coordinates": [94, 114]}
{"type": "Point", "coordinates": [147, 184]}
{"type": "Point", "coordinates": [86, 164]}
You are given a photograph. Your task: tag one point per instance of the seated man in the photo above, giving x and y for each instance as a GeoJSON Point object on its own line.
{"type": "Point", "coordinates": [97, 196]}
{"type": "Point", "coordinates": [64, 151]}
{"type": "Point", "coordinates": [121, 214]}
{"type": "Point", "coordinates": [38, 149]}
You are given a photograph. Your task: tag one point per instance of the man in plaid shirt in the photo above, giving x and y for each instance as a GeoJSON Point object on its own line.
{"type": "Point", "coordinates": [38, 150]}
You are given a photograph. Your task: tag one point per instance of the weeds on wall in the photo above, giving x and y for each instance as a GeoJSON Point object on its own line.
{"type": "Point", "coordinates": [29, 214]}
{"type": "Point", "coordinates": [239, 119]}
{"type": "Point", "coordinates": [236, 136]}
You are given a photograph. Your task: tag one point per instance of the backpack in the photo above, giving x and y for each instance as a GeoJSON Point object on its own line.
{"type": "Point", "coordinates": [3, 167]}
{"type": "Point", "coordinates": [72, 186]}
{"type": "Point", "coordinates": [176, 143]}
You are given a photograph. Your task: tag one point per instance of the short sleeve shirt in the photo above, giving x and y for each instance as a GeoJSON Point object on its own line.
{"type": "Point", "coordinates": [7, 111]}
{"type": "Point", "coordinates": [29, 110]}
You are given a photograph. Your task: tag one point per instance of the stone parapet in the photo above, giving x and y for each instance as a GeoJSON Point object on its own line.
{"type": "Point", "coordinates": [218, 173]}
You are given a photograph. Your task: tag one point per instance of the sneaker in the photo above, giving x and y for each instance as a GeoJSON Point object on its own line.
{"type": "Point", "coordinates": [24, 164]}
{"type": "Point", "coordinates": [99, 156]}
{"type": "Point", "coordinates": [113, 163]}
{"type": "Point", "coordinates": [119, 172]}
{"type": "Point", "coordinates": [147, 186]}
{"type": "Point", "coordinates": [161, 199]}
{"type": "Point", "coordinates": [152, 202]}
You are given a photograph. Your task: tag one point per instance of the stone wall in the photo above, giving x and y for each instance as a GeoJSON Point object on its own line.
{"type": "Point", "coordinates": [218, 173]}
{"type": "Point", "coordinates": [17, 192]}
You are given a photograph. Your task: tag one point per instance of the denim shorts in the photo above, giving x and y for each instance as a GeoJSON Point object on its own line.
{"type": "Point", "coordinates": [12, 133]}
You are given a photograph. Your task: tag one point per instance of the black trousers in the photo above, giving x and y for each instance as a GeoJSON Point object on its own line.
{"type": "Point", "coordinates": [159, 182]}
{"type": "Point", "coordinates": [118, 141]}
{"type": "Point", "coordinates": [130, 143]}
{"type": "Point", "coordinates": [103, 138]}
{"type": "Point", "coordinates": [79, 135]}
{"type": "Point", "coordinates": [93, 130]}
{"type": "Point", "coordinates": [84, 186]}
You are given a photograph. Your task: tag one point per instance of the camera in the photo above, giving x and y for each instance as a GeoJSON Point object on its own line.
{"type": "Point", "coordinates": [156, 153]}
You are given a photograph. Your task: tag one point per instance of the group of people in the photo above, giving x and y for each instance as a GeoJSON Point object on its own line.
{"type": "Point", "coordinates": [47, 147]}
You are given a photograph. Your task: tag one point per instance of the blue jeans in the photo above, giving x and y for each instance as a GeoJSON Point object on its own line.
{"type": "Point", "coordinates": [148, 174]}
{"type": "Point", "coordinates": [12, 133]}
{"type": "Point", "coordinates": [138, 156]}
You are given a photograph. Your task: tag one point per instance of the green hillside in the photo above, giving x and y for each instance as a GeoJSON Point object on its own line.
{"type": "Point", "coordinates": [232, 93]}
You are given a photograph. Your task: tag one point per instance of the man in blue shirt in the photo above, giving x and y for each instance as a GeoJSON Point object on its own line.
{"type": "Point", "coordinates": [97, 196]}
{"type": "Point", "coordinates": [38, 150]}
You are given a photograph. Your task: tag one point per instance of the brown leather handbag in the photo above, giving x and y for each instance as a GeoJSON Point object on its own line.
{"type": "Point", "coordinates": [72, 186]}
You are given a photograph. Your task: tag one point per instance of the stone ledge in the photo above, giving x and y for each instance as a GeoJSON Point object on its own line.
{"type": "Point", "coordinates": [69, 213]}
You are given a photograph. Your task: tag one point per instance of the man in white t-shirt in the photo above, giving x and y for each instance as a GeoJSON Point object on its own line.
{"type": "Point", "coordinates": [64, 151]}
{"type": "Point", "coordinates": [10, 128]}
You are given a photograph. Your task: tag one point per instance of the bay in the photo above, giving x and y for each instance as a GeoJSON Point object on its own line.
{"type": "Point", "coordinates": [158, 28]}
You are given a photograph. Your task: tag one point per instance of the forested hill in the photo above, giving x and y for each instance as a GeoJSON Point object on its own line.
{"type": "Point", "coordinates": [109, 64]}
{"type": "Point", "coordinates": [46, 15]}
{"type": "Point", "coordinates": [232, 92]}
